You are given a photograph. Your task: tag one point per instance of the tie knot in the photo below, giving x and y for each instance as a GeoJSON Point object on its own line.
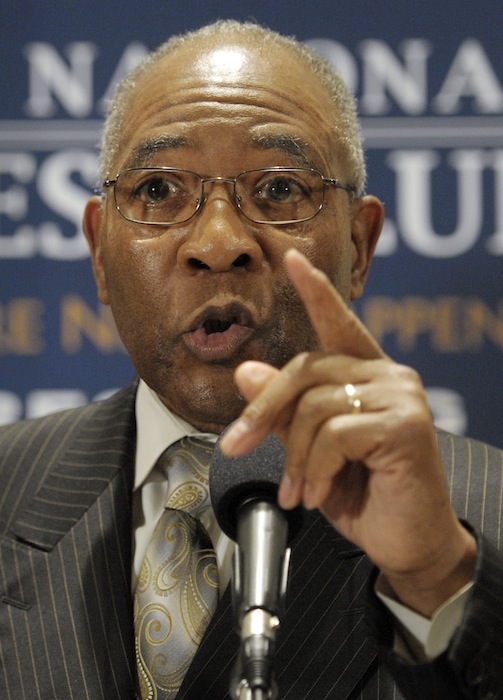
{"type": "Point", "coordinates": [186, 466]}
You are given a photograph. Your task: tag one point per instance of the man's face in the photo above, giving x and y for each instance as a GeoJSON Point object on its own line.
{"type": "Point", "coordinates": [193, 301]}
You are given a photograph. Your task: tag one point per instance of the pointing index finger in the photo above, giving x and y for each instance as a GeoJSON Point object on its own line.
{"type": "Point", "coordinates": [340, 332]}
{"type": "Point", "coordinates": [337, 327]}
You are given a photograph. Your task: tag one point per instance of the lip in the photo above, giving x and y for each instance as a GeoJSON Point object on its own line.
{"type": "Point", "coordinates": [219, 345]}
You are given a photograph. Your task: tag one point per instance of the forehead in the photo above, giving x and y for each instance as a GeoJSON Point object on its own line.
{"type": "Point", "coordinates": [231, 94]}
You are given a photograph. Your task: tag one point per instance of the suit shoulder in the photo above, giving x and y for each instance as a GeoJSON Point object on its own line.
{"type": "Point", "coordinates": [78, 445]}
{"type": "Point", "coordinates": [474, 473]}
{"type": "Point", "coordinates": [458, 450]}
{"type": "Point", "coordinates": [15, 437]}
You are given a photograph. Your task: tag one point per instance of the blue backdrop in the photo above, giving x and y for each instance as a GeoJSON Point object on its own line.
{"type": "Point", "coordinates": [429, 80]}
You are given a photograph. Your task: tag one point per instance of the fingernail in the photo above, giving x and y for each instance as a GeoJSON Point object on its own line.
{"type": "Point", "coordinates": [232, 442]}
{"type": "Point", "coordinates": [309, 497]}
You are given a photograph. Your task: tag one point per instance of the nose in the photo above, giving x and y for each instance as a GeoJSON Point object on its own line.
{"type": "Point", "coordinates": [221, 239]}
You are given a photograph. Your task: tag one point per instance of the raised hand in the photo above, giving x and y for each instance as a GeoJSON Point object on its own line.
{"type": "Point", "coordinates": [375, 473]}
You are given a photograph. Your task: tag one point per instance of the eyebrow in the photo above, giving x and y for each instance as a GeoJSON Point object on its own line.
{"type": "Point", "coordinates": [292, 146]}
{"type": "Point", "coordinates": [146, 150]}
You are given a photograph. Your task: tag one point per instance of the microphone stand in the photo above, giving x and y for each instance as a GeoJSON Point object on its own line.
{"type": "Point", "coordinates": [244, 495]}
{"type": "Point", "coordinates": [258, 597]}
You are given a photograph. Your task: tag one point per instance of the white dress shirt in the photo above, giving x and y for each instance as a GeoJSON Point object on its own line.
{"type": "Point", "coordinates": [417, 638]}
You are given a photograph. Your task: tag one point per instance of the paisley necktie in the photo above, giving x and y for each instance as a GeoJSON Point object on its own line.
{"type": "Point", "coordinates": [177, 591]}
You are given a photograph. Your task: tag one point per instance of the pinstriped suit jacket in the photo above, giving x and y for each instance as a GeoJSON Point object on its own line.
{"type": "Point", "coordinates": [65, 564]}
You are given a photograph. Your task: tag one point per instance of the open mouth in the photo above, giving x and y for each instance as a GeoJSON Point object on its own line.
{"type": "Point", "coordinates": [218, 332]}
{"type": "Point", "coordinates": [216, 325]}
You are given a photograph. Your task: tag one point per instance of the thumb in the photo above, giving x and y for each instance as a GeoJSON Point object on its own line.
{"type": "Point", "coordinates": [252, 376]}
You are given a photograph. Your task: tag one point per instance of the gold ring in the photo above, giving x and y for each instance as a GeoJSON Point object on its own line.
{"type": "Point", "coordinates": [354, 400]}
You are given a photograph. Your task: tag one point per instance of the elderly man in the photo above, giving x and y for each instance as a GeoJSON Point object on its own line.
{"type": "Point", "coordinates": [231, 236]}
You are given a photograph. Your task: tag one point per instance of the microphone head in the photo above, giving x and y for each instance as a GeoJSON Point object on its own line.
{"type": "Point", "coordinates": [252, 476]}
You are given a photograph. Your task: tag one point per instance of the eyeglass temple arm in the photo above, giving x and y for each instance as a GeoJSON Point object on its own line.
{"type": "Point", "coordinates": [340, 185]}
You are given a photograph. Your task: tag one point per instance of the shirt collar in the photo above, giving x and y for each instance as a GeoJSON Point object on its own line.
{"type": "Point", "coordinates": [157, 428]}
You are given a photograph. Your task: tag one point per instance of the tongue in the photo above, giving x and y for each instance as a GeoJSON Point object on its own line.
{"type": "Point", "coordinates": [211, 337]}
{"type": "Point", "coordinates": [217, 345]}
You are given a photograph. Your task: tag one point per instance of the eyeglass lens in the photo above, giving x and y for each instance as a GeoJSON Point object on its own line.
{"type": "Point", "coordinates": [169, 196]}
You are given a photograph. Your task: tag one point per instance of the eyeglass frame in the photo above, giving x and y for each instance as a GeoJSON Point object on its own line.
{"type": "Point", "coordinates": [326, 181]}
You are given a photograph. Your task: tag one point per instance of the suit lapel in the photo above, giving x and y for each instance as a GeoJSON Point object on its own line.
{"type": "Point", "coordinates": [82, 454]}
{"type": "Point", "coordinates": [324, 647]}
{"type": "Point", "coordinates": [68, 589]}
{"type": "Point", "coordinates": [209, 673]}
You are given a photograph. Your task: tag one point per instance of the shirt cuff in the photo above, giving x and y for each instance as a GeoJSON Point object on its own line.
{"type": "Point", "coordinates": [420, 639]}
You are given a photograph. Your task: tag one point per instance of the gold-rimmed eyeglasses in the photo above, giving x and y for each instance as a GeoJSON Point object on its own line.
{"type": "Point", "coordinates": [169, 196]}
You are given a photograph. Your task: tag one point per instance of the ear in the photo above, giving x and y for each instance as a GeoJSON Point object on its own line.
{"type": "Point", "coordinates": [367, 221]}
{"type": "Point", "coordinates": [92, 225]}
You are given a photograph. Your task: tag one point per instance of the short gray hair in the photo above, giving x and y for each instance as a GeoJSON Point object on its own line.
{"type": "Point", "coordinates": [345, 123]}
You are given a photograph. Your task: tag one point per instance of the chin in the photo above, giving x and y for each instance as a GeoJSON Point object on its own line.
{"type": "Point", "coordinates": [207, 406]}
{"type": "Point", "coordinates": [209, 420]}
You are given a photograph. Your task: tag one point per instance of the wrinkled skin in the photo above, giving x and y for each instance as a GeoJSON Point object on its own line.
{"type": "Point", "coordinates": [204, 109]}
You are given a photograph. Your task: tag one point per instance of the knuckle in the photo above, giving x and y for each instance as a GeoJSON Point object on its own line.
{"type": "Point", "coordinates": [308, 405]}
{"type": "Point", "coordinates": [256, 413]}
{"type": "Point", "coordinates": [294, 468]}
{"type": "Point", "coordinates": [299, 364]}
{"type": "Point", "coordinates": [407, 375]}
{"type": "Point", "coordinates": [332, 431]}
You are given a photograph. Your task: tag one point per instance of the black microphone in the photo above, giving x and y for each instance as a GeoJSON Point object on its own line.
{"type": "Point", "coordinates": [244, 497]}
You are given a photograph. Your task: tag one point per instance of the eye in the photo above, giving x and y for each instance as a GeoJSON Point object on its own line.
{"type": "Point", "coordinates": [156, 189]}
{"type": "Point", "coordinates": [282, 189]}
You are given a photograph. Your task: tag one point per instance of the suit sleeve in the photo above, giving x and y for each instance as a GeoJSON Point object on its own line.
{"type": "Point", "coordinates": [472, 665]}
